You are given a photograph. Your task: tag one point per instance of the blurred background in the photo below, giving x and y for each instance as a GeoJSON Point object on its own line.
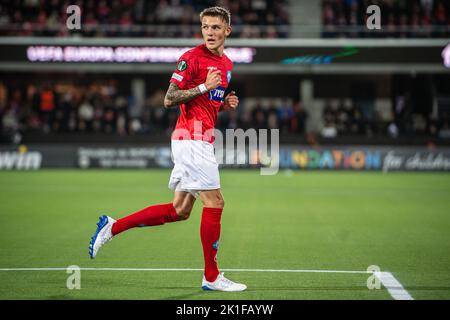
{"type": "Point", "coordinates": [312, 69]}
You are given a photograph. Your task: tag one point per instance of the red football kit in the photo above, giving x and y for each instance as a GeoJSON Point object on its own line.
{"type": "Point", "coordinates": [191, 71]}
{"type": "Point", "coordinates": [199, 115]}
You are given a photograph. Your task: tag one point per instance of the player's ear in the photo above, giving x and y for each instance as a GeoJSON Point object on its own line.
{"type": "Point", "coordinates": [228, 30]}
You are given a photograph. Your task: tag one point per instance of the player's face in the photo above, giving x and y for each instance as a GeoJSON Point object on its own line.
{"type": "Point", "coordinates": [214, 31]}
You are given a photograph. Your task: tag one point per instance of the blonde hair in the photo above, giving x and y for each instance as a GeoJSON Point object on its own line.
{"type": "Point", "coordinates": [220, 12]}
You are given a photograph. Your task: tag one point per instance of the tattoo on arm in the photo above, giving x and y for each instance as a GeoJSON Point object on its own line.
{"type": "Point", "coordinates": [175, 96]}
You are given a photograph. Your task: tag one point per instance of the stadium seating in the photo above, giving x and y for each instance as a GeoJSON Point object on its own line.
{"type": "Point", "coordinates": [139, 18]}
{"type": "Point", "coordinates": [399, 18]}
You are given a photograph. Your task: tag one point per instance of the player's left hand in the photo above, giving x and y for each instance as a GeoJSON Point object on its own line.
{"type": "Point", "coordinates": [231, 101]}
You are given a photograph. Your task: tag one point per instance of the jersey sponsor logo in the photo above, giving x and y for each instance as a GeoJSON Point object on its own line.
{"type": "Point", "coordinates": [211, 68]}
{"type": "Point", "coordinates": [177, 76]}
{"type": "Point", "coordinates": [182, 65]}
{"type": "Point", "coordinates": [229, 76]}
{"type": "Point", "coordinates": [217, 94]}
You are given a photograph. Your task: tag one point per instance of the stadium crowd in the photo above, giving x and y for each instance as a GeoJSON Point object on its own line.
{"type": "Point", "coordinates": [250, 18]}
{"type": "Point", "coordinates": [399, 18]}
{"type": "Point", "coordinates": [139, 18]}
{"type": "Point", "coordinates": [100, 108]}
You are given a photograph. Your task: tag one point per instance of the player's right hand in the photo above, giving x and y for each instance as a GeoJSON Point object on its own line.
{"type": "Point", "coordinates": [213, 79]}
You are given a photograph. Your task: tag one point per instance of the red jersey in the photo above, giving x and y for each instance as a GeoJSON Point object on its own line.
{"type": "Point", "coordinates": [199, 115]}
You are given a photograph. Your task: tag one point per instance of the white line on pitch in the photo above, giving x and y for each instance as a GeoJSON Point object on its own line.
{"type": "Point", "coordinates": [187, 269]}
{"type": "Point", "coordinates": [393, 286]}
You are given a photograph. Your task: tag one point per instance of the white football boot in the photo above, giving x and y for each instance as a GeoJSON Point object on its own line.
{"type": "Point", "coordinates": [102, 235]}
{"type": "Point", "coordinates": [222, 284]}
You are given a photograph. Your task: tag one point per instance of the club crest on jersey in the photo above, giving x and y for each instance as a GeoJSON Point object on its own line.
{"type": "Point", "coordinates": [217, 94]}
{"type": "Point", "coordinates": [229, 76]}
{"type": "Point", "coordinates": [182, 65]}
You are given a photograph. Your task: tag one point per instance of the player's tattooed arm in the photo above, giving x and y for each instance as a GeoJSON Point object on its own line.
{"type": "Point", "coordinates": [175, 96]}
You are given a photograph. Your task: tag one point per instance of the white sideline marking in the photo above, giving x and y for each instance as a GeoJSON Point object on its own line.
{"type": "Point", "coordinates": [393, 286]}
{"type": "Point", "coordinates": [185, 269]}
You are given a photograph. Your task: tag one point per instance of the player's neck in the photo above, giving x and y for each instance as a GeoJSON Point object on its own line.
{"type": "Point", "coordinates": [218, 52]}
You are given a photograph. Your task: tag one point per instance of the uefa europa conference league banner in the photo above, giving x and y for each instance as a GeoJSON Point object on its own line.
{"type": "Point", "coordinates": [293, 157]}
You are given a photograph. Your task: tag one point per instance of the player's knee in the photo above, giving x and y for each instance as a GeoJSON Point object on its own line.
{"type": "Point", "coordinates": [216, 203]}
{"type": "Point", "coordinates": [184, 212]}
{"type": "Point", "coordinates": [220, 203]}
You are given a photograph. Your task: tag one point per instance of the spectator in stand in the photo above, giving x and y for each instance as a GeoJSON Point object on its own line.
{"type": "Point", "coordinates": [285, 114]}
{"type": "Point", "coordinates": [64, 110]}
{"type": "Point", "coordinates": [3, 102]}
{"type": "Point", "coordinates": [85, 116]}
{"type": "Point", "coordinates": [443, 125]}
{"type": "Point", "coordinates": [273, 121]}
{"type": "Point", "coordinates": [153, 114]}
{"type": "Point", "coordinates": [259, 118]}
{"type": "Point", "coordinates": [47, 106]}
{"type": "Point", "coordinates": [298, 121]}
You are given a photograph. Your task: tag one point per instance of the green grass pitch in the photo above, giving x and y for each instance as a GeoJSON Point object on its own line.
{"type": "Point", "coordinates": [293, 220]}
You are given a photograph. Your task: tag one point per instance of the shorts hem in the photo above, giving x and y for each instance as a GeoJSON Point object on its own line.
{"type": "Point", "coordinates": [194, 189]}
{"type": "Point", "coordinates": [202, 188]}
